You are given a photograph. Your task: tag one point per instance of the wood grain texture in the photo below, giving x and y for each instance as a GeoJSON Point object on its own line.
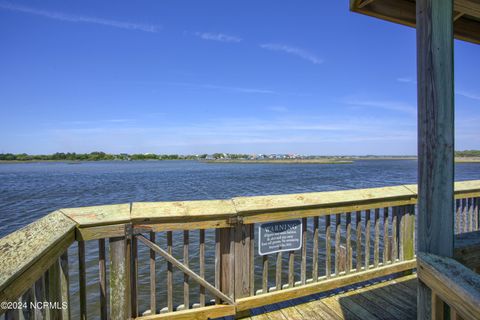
{"type": "Point", "coordinates": [179, 211]}
{"type": "Point", "coordinates": [24, 248]}
{"type": "Point", "coordinates": [315, 287]}
{"type": "Point", "coordinates": [99, 215]}
{"type": "Point", "coordinates": [435, 134]}
{"type": "Point", "coordinates": [455, 284]}
{"type": "Point", "coordinates": [119, 279]}
{"type": "Point", "coordinates": [211, 312]}
{"type": "Point", "coordinates": [243, 259]}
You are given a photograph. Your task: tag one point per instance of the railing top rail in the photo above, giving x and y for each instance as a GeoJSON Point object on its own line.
{"type": "Point", "coordinates": [177, 211]}
{"type": "Point", "coordinates": [320, 199]}
{"type": "Point", "coordinates": [30, 250]}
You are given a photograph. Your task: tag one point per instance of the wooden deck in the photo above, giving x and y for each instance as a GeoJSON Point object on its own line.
{"type": "Point", "coordinates": [393, 299]}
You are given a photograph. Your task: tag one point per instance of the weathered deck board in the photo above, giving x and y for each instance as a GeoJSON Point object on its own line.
{"type": "Point", "coordinates": [393, 299]}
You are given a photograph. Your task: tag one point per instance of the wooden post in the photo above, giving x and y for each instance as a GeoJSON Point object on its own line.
{"type": "Point", "coordinates": [435, 134]}
{"type": "Point", "coordinates": [119, 279]}
{"type": "Point", "coordinates": [242, 259]}
{"type": "Point", "coordinates": [226, 261]}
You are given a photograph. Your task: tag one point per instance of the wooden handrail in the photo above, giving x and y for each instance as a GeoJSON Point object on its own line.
{"type": "Point", "coordinates": [96, 222]}
{"type": "Point", "coordinates": [27, 253]}
{"type": "Point", "coordinates": [454, 283]}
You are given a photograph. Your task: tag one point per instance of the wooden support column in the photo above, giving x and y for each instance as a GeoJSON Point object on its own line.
{"type": "Point", "coordinates": [119, 279]}
{"type": "Point", "coordinates": [243, 262]}
{"type": "Point", "coordinates": [225, 260]}
{"type": "Point", "coordinates": [435, 134]}
{"type": "Point", "coordinates": [242, 259]}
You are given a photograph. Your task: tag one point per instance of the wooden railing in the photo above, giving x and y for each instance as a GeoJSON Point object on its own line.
{"type": "Point", "coordinates": [348, 237]}
{"type": "Point", "coordinates": [455, 289]}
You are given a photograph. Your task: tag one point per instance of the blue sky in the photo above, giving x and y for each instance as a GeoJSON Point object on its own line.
{"type": "Point", "coordinates": [178, 76]}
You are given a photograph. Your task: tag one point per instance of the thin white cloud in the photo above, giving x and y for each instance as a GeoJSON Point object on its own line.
{"type": "Point", "coordinates": [467, 94]}
{"type": "Point", "coordinates": [301, 53]}
{"type": "Point", "coordinates": [224, 88]}
{"type": "Point", "coordinates": [79, 18]}
{"type": "Point", "coordinates": [93, 122]}
{"type": "Point", "coordinates": [406, 80]}
{"type": "Point", "coordinates": [382, 104]}
{"type": "Point", "coordinates": [217, 37]}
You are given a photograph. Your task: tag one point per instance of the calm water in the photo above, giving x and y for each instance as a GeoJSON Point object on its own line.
{"type": "Point", "coordinates": [31, 190]}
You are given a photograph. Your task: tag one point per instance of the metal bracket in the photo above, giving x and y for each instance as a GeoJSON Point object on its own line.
{"type": "Point", "coordinates": [132, 230]}
{"type": "Point", "coordinates": [128, 231]}
{"type": "Point", "coordinates": [235, 220]}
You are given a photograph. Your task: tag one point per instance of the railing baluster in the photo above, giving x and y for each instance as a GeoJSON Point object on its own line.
{"type": "Point", "coordinates": [252, 260]}
{"type": "Point", "coordinates": [102, 279]}
{"type": "Point", "coordinates": [218, 259]}
{"type": "Point", "coordinates": [265, 274]}
{"type": "Point", "coordinates": [394, 234]}
{"type": "Point", "coordinates": [39, 293]}
{"type": "Point", "coordinates": [64, 279]}
{"type": "Point", "coordinates": [386, 237]}
{"type": "Point", "coordinates": [470, 214]}
{"type": "Point", "coordinates": [278, 272]}
{"type": "Point", "coordinates": [28, 312]}
{"type": "Point", "coordinates": [153, 278]}
{"type": "Point", "coordinates": [376, 244]}
{"type": "Point", "coordinates": [328, 249]}
{"type": "Point", "coordinates": [464, 215]}
{"type": "Point", "coordinates": [202, 265]}
{"type": "Point", "coordinates": [82, 280]}
{"type": "Point", "coordinates": [169, 273]}
{"type": "Point", "coordinates": [348, 240]}
{"type": "Point", "coordinates": [458, 217]}
{"type": "Point", "coordinates": [291, 269]}
{"type": "Point", "coordinates": [134, 276]}
{"type": "Point", "coordinates": [476, 213]}
{"type": "Point", "coordinates": [315, 250]}
{"type": "Point", "coordinates": [358, 227]}
{"type": "Point", "coordinates": [338, 227]}
{"type": "Point", "coordinates": [186, 285]}
{"type": "Point", "coordinates": [401, 232]}
{"type": "Point", "coordinates": [367, 238]}
{"type": "Point", "coordinates": [303, 270]}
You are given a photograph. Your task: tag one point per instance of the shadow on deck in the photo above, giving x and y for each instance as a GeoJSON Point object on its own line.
{"type": "Point", "coordinates": [389, 299]}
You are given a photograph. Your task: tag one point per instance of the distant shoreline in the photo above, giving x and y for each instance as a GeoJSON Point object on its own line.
{"type": "Point", "coordinates": [282, 161]}
{"type": "Point", "coordinates": [346, 160]}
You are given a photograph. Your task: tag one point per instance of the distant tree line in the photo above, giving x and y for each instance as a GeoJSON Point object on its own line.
{"type": "Point", "coordinates": [468, 153]}
{"type": "Point", "coordinates": [98, 156]}
{"type": "Point", "coordinates": [95, 156]}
